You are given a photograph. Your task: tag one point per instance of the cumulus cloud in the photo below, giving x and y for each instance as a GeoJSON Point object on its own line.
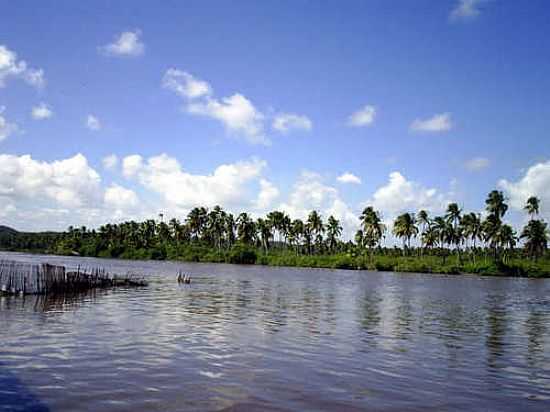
{"type": "Point", "coordinates": [127, 44]}
{"type": "Point", "coordinates": [435, 124]}
{"type": "Point", "coordinates": [227, 185]}
{"type": "Point", "coordinates": [534, 182]}
{"type": "Point", "coordinates": [311, 193]}
{"type": "Point", "coordinates": [285, 122]}
{"type": "Point", "coordinates": [110, 162]}
{"type": "Point", "coordinates": [93, 123]}
{"type": "Point", "coordinates": [363, 117]}
{"type": "Point", "coordinates": [6, 128]}
{"type": "Point", "coordinates": [185, 84]}
{"type": "Point", "coordinates": [348, 178]}
{"type": "Point", "coordinates": [477, 164]}
{"type": "Point", "coordinates": [69, 183]}
{"type": "Point", "coordinates": [400, 195]}
{"type": "Point", "coordinates": [237, 113]}
{"type": "Point", "coordinates": [120, 199]}
{"type": "Point", "coordinates": [465, 10]}
{"type": "Point", "coordinates": [41, 112]}
{"type": "Point", "coordinates": [267, 195]}
{"type": "Point", "coordinates": [131, 165]}
{"type": "Point", "coordinates": [11, 67]}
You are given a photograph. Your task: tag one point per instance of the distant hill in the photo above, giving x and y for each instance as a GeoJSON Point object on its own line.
{"type": "Point", "coordinates": [5, 230]}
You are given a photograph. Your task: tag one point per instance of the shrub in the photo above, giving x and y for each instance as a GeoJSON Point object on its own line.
{"type": "Point", "coordinates": [242, 254]}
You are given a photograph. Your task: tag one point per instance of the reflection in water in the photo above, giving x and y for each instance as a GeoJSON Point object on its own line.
{"type": "Point", "coordinates": [256, 338]}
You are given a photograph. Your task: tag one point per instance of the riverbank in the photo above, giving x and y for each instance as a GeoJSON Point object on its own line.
{"type": "Point", "coordinates": [481, 264]}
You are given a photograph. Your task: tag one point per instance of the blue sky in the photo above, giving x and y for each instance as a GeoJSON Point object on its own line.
{"type": "Point", "coordinates": [451, 101]}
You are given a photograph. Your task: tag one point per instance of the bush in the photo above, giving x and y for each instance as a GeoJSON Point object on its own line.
{"type": "Point", "coordinates": [242, 254]}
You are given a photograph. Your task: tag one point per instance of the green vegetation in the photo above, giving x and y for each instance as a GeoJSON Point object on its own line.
{"type": "Point", "coordinates": [454, 243]}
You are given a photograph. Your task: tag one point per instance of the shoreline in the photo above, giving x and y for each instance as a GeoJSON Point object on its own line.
{"type": "Point", "coordinates": [518, 268]}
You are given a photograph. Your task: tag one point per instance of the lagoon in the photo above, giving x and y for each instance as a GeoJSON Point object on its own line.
{"type": "Point", "coordinates": [242, 338]}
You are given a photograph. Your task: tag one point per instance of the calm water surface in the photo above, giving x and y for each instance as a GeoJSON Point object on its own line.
{"type": "Point", "coordinates": [278, 339]}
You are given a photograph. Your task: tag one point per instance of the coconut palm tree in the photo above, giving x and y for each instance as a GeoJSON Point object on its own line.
{"type": "Point", "coordinates": [264, 233]}
{"type": "Point", "coordinates": [506, 239]}
{"type": "Point", "coordinates": [334, 230]}
{"type": "Point", "coordinates": [532, 206]}
{"type": "Point", "coordinates": [495, 204]}
{"type": "Point", "coordinates": [315, 222]}
{"type": "Point", "coordinates": [424, 222]}
{"type": "Point", "coordinates": [430, 237]}
{"type": "Point", "coordinates": [196, 221]}
{"type": "Point", "coordinates": [297, 232]}
{"type": "Point", "coordinates": [535, 234]}
{"type": "Point", "coordinates": [246, 229]}
{"type": "Point", "coordinates": [372, 228]}
{"type": "Point", "coordinates": [405, 228]}
{"type": "Point", "coordinates": [359, 238]}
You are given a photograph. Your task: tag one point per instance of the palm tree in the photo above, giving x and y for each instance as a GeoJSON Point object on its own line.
{"type": "Point", "coordinates": [495, 204]}
{"type": "Point", "coordinates": [506, 239]}
{"type": "Point", "coordinates": [405, 228]}
{"type": "Point", "coordinates": [372, 228]}
{"type": "Point", "coordinates": [535, 234]}
{"type": "Point", "coordinates": [430, 237]}
{"type": "Point", "coordinates": [264, 233]}
{"type": "Point", "coordinates": [359, 238]}
{"type": "Point", "coordinates": [490, 227]}
{"type": "Point", "coordinates": [297, 232]}
{"type": "Point", "coordinates": [424, 221]}
{"type": "Point", "coordinates": [315, 222]}
{"type": "Point", "coordinates": [196, 220]}
{"type": "Point", "coordinates": [532, 206]}
{"type": "Point", "coordinates": [334, 230]}
{"type": "Point", "coordinates": [246, 229]}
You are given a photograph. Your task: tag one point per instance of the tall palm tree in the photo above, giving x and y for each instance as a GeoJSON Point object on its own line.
{"type": "Point", "coordinates": [532, 206]}
{"type": "Point", "coordinates": [495, 204]}
{"type": "Point", "coordinates": [405, 228]}
{"type": "Point", "coordinates": [297, 232]}
{"type": "Point", "coordinates": [246, 229]}
{"type": "Point", "coordinates": [359, 238]}
{"type": "Point", "coordinates": [506, 239]}
{"type": "Point", "coordinates": [453, 216]}
{"type": "Point", "coordinates": [334, 230]}
{"type": "Point", "coordinates": [315, 222]}
{"type": "Point", "coordinates": [424, 222]}
{"type": "Point", "coordinates": [535, 234]}
{"type": "Point", "coordinates": [264, 233]}
{"type": "Point", "coordinates": [196, 220]}
{"type": "Point", "coordinates": [372, 228]}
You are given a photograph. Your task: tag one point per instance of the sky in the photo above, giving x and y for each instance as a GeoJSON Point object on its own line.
{"type": "Point", "coordinates": [122, 110]}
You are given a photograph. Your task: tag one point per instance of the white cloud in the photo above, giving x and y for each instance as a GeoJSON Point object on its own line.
{"type": "Point", "coordinates": [311, 193]}
{"type": "Point", "coordinates": [127, 44]}
{"type": "Point", "coordinates": [237, 113]}
{"type": "Point", "coordinates": [93, 123]}
{"type": "Point", "coordinates": [348, 178]}
{"type": "Point", "coordinates": [363, 117]}
{"type": "Point", "coordinates": [400, 195]}
{"type": "Point", "coordinates": [131, 165]}
{"type": "Point", "coordinates": [535, 182]}
{"type": "Point", "coordinates": [110, 162]}
{"type": "Point", "coordinates": [284, 122]}
{"type": "Point", "coordinates": [6, 128]}
{"type": "Point", "coordinates": [477, 163]}
{"type": "Point", "coordinates": [120, 198]}
{"type": "Point", "coordinates": [465, 10]}
{"type": "Point", "coordinates": [267, 195]}
{"type": "Point", "coordinates": [185, 84]}
{"type": "Point", "coordinates": [69, 182]}
{"type": "Point", "coordinates": [227, 185]}
{"type": "Point", "coordinates": [437, 123]}
{"type": "Point", "coordinates": [41, 112]}
{"type": "Point", "coordinates": [10, 67]}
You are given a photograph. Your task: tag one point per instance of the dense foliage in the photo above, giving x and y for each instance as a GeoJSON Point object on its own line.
{"type": "Point", "coordinates": [478, 245]}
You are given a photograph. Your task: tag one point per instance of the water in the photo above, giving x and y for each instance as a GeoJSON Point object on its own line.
{"type": "Point", "coordinates": [250, 338]}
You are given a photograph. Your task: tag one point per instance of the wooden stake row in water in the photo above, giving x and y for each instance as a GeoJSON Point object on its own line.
{"type": "Point", "coordinates": [28, 278]}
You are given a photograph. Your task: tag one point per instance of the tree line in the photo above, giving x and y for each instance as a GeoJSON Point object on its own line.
{"type": "Point", "coordinates": [216, 232]}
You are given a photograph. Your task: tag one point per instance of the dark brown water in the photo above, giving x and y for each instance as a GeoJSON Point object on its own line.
{"type": "Point", "coordinates": [258, 338]}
